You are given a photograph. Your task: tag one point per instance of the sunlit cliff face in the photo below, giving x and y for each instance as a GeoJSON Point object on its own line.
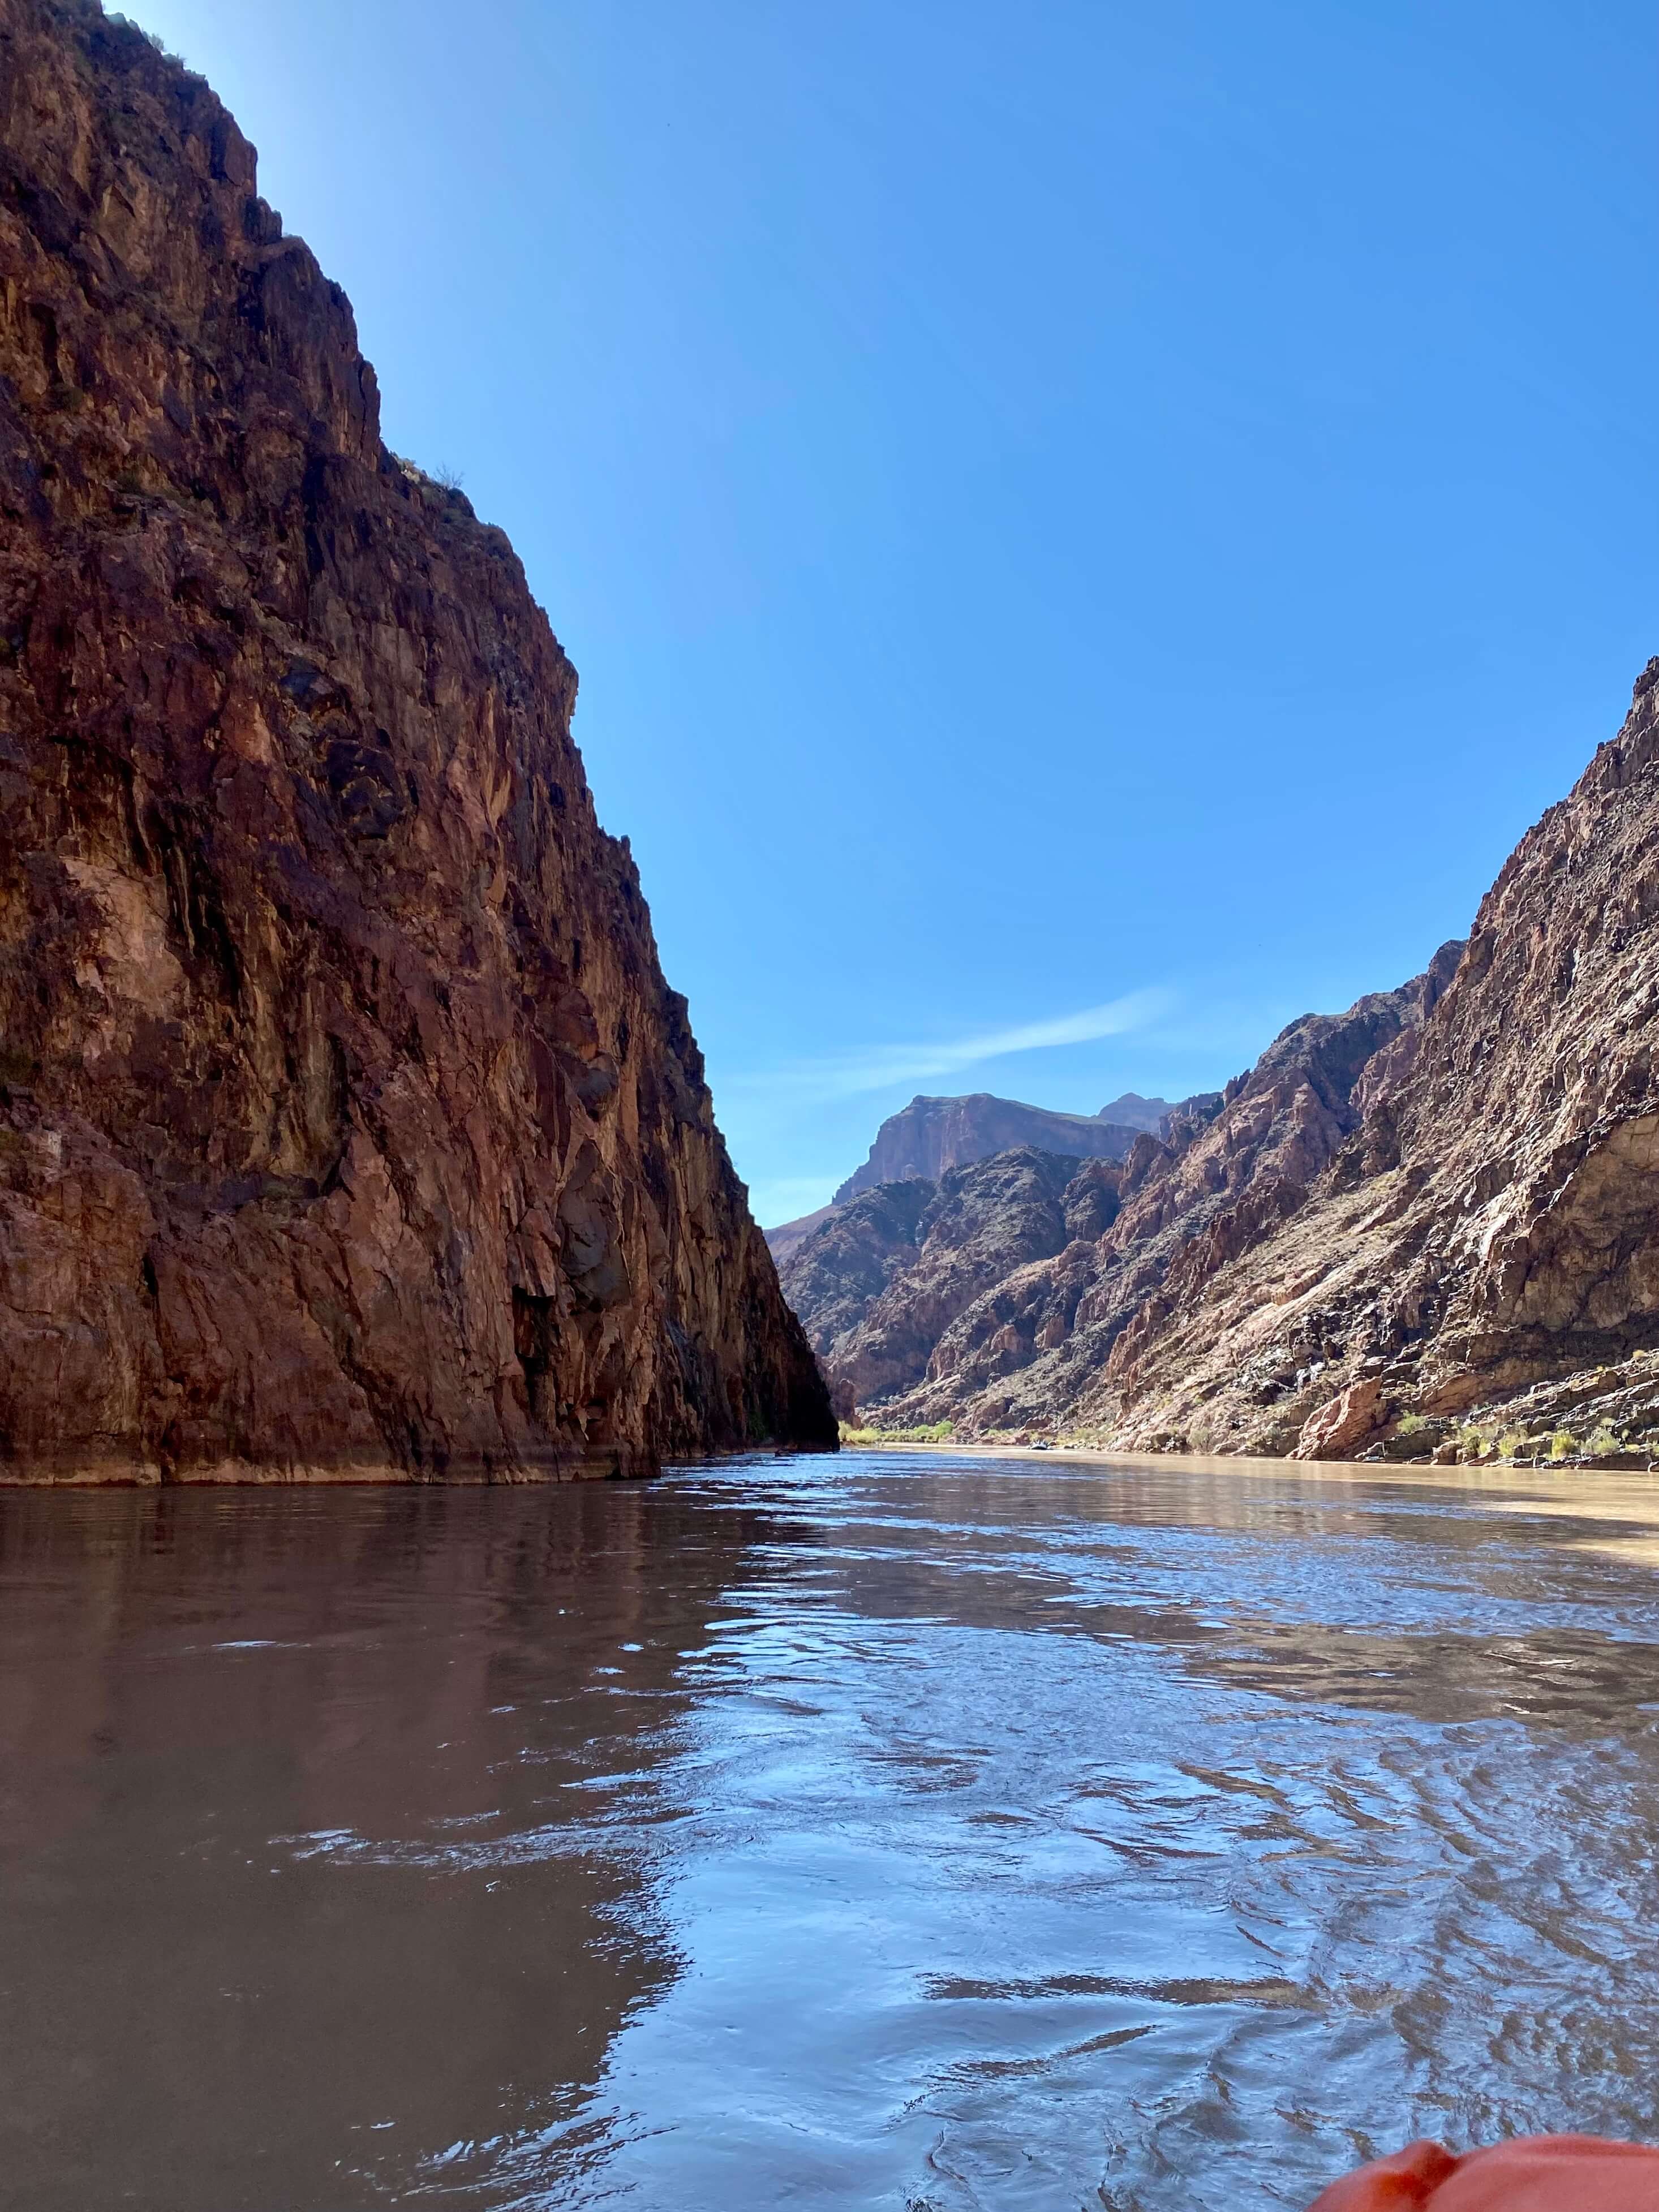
{"type": "Point", "coordinates": [1424, 1228]}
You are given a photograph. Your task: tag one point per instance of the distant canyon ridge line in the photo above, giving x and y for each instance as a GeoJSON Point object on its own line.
{"type": "Point", "coordinates": [959, 1194]}
{"type": "Point", "coordinates": [932, 1135]}
{"type": "Point", "coordinates": [1427, 1229]}
{"type": "Point", "coordinates": [349, 1129]}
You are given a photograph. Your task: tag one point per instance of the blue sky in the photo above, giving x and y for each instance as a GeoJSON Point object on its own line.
{"type": "Point", "coordinates": [1086, 529]}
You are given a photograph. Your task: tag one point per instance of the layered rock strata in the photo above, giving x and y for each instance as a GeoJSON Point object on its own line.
{"type": "Point", "coordinates": [347, 1126]}
{"type": "Point", "coordinates": [930, 1136]}
{"type": "Point", "coordinates": [890, 1275]}
{"type": "Point", "coordinates": [1426, 1228]}
{"type": "Point", "coordinates": [1033, 1350]}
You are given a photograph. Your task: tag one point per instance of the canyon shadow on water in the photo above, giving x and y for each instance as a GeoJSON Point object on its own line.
{"type": "Point", "coordinates": [912, 1831]}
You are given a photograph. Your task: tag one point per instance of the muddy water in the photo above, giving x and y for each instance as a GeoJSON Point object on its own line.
{"type": "Point", "coordinates": [885, 1832]}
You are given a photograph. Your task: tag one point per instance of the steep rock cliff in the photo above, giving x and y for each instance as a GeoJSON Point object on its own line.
{"type": "Point", "coordinates": [837, 1273]}
{"type": "Point", "coordinates": [1427, 1228]}
{"type": "Point", "coordinates": [1480, 1269]}
{"type": "Point", "coordinates": [931, 1136]}
{"type": "Point", "coordinates": [1132, 1111]}
{"type": "Point", "coordinates": [347, 1126]}
{"type": "Point", "coordinates": [885, 1278]}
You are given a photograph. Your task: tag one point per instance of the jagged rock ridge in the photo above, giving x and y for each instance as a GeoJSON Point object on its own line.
{"type": "Point", "coordinates": [1031, 1347]}
{"type": "Point", "coordinates": [930, 1136]}
{"type": "Point", "coordinates": [1479, 1270]}
{"type": "Point", "coordinates": [348, 1126]}
{"type": "Point", "coordinates": [1428, 1227]}
{"type": "Point", "coordinates": [890, 1272]}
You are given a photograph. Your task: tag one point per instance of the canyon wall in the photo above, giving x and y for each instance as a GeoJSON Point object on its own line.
{"type": "Point", "coordinates": [1478, 1271]}
{"type": "Point", "coordinates": [890, 1272]}
{"type": "Point", "coordinates": [348, 1127]}
{"type": "Point", "coordinates": [931, 1136]}
{"type": "Point", "coordinates": [1427, 1228]}
{"type": "Point", "coordinates": [1030, 1349]}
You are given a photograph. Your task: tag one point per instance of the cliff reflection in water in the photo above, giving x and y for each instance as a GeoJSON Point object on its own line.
{"type": "Point", "coordinates": [913, 1833]}
{"type": "Point", "coordinates": [310, 1877]}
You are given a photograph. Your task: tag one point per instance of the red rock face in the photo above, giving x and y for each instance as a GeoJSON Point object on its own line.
{"type": "Point", "coordinates": [347, 1126]}
{"type": "Point", "coordinates": [1485, 1248]}
{"type": "Point", "coordinates": [1427, 1229]}
{"type": "Point", "coordinates": [879, 1284]}
{"type": "Point", "coordinates": [1053, 1325]}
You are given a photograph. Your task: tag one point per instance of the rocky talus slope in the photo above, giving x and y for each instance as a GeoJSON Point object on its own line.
{"type": "Point", "coordinates": [347, 1125]}
{"type": "Point", "coordinates": [1426, 1228]}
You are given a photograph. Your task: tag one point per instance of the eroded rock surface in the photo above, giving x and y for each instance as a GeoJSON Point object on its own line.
{"type": "Point", "coordinates": [882, 1281]}
{"type": "Point", "coordinates": [348, 1126]}
{"type": "Point", "coordinates": [1426, 1228]}
{"type": "Point", "coordinates": [1486, 1245]}
{"type": "Point", "coordinates": [930, 1136]}
{"type": "Point", "coordinates": [1042, 1343]}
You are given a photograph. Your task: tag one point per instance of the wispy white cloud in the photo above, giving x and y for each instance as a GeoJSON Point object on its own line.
{"type": "Point", "coordinates": [875, 1067]}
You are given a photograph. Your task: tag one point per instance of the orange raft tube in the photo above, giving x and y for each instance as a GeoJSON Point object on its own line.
{"type": "Point", "coordinates": [1536, 2173]}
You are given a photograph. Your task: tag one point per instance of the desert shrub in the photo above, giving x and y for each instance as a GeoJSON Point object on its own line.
{"type": "Point", "coordinates": [152, 39]}
{"type": "Point", "coordinates": [934, 1432]}
{"type": "Point", "coordinates": [446, 478]}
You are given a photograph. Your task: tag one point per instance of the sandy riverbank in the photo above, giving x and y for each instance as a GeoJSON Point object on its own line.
{"type": "Point", "coordinates": [1599, 1495]}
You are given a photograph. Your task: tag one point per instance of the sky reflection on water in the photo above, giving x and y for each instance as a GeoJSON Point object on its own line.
{"type": "Point", "coordinates": [890, 1832]}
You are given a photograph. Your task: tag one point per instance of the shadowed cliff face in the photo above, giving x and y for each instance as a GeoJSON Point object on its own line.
{"type": "Point", "coordinates": [839, 1271]}
{"type": "Point", "coordinates": [348, 1126]}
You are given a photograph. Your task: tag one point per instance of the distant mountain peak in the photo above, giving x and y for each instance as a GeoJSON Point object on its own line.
{"type": "Point", "coordinates": [1132, 1111]}
{"type": "Point", "coordinates": [930, 1136]}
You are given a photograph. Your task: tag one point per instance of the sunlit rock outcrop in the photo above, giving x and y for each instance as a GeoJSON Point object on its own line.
{"type": "Point", "coordinates": [1428, 1227]}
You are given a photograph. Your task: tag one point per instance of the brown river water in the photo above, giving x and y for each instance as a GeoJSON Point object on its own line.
{"type": "Point", "coordinates": [917, 1831]}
